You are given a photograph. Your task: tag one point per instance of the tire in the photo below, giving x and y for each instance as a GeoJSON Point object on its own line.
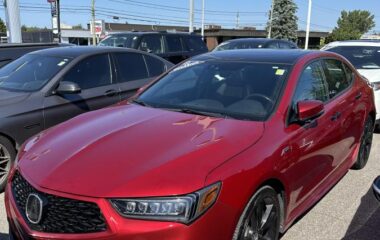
{"type": "Point", "coordinates": [377, 128]}
{"type": "Point", "coordinates": [365, 145]}
{"type": "Point", "coordinates": [261, 217]}
{"type": "Point", "coordinates": [7, 158]}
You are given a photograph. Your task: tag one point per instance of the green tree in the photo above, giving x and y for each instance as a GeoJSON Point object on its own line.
{"type": "Point", "coordinates": [352, 25]}
{"type": "Point", "coordinates": [78, 27]}
{"type": "Point", "coordinates": [284, 20]}
{"type": "Point", "coordinates": [3, 28]}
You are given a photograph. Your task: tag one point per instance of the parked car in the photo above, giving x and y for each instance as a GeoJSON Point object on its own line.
{"type": "Point", "coordinates": [253, 43]}
{"type": "Point", "coordinates": [10, 52]}
{"type": "Point", "coordinates": [47, 87]}
{"type": "Point", "coordinates": [376, 188]}
{"type": "Point", "coordinates": [174, 47]}
{"type": "Point", "coordinates": [365, 56]}
{"type": "Point", "coordinates": [252, 137]}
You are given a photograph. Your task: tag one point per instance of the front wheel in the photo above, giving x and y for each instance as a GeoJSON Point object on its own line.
{"type": "Point", "coordinates": [7, 157]}
{"type": "Point", "coordinates": [365, 145]}
{"type": "Point", "coordinates": [261, 218]}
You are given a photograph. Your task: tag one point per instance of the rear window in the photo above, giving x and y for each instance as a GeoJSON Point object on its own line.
{"type": "Point", "coordinates": [362, 57]}
{"type": "Point", "coordinates": [127, 41]}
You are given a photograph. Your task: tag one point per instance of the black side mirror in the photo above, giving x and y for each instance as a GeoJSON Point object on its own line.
{"type": "Point", "coordinates": [376, 188]}
{"type": "Point", "coordinates": [66, 87]}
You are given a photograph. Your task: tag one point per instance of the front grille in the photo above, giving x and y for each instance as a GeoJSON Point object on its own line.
{"type": "Point", "coordinates": [60, 215]}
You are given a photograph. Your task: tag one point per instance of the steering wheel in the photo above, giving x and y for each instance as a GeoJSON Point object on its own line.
{"type": "Point", "coordinates": [260, 96]}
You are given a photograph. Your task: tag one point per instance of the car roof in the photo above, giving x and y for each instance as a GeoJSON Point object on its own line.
{"type": "Point", "coordinates": [152, 32]}
{"type": "Point", "coordinates": [256, 40]}
{"type": "Point", "coordinates": [364, 43]}
{"type": "Point", "coordinates": [74, 52]}
{"type": "Point", "coordinates": [257, 55]}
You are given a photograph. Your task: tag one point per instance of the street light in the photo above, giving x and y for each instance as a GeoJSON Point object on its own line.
{"type": "Point", "coordinates": [308, 25]}
{"type": "Point", "coordinates": [191, 17]}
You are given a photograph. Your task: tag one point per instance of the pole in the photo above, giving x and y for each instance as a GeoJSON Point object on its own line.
{"type": "Point", "coordinates": [13, 21]}
{"type": "Point", "coordinates": [191, 18]}
{"type": "Point", "coordinates": [93, 23]}
{"type": "Point", "coordinates": [59, 21]}
{"type": "Point", "coordinates": [271, 20]}
{"type": "Point", "coordinates": [308, 25]}
{"type": "Point", "coordinates": [203, 19]}
{"type": "Point", "coordinates": [237, 20]}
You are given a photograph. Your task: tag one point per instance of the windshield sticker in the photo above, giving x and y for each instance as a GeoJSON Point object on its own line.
{"type": "Point", "coordinates": [61, 63]}
{"type": "Point", "coordinates": [280, 72]}
{"type": "Point", "coordinates": [187, 65]}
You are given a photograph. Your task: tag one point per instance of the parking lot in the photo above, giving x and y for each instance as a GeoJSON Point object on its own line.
{"type": "Point", "coordinates": [349, 211]}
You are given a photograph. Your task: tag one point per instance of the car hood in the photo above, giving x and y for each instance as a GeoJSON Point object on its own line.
{"type": "Point", "coordinates": [8, 97]}
{"type": "Point", "coordinates": [373, 75]}
{"type": "Point", "coordinates": [134, 151]}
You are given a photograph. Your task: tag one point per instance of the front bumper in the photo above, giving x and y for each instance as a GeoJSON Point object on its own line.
{"type": "Point", "coordinates": [208, 226]}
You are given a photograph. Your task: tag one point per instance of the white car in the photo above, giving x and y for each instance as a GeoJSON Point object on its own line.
{"type": "Point", "coordinates": [365, 56]}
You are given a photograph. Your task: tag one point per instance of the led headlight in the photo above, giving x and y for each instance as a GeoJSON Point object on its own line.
{"type": "Point", "coordinates": [183, 209]}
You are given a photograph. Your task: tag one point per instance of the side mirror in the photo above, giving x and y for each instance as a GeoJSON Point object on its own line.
{"type": "Point", "coordinates": [66, 87]}
{"type": "Point", "coordinates": [376, 188]}
{"type": "Point", "coordinates": [309, 110]}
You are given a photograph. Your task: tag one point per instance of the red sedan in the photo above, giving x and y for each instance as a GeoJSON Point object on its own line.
{"type": "Point", "coordinates": [228, 145]}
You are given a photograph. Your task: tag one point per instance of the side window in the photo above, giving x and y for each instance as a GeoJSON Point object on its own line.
{"type": "Point", "coordinates": [195, 43]}
{"type": "Point", "coordinates": [336, 77]}
{"type": "Point", "coordinates": [155, 66]}
{"type": "Point", "coordinates": [273, 45]}
{"type": "Point", "coordinates": [284, 45]}
{"type": "Point", "coordinates": [174, 43]}
{"type": "Point", "coordinates": [311, 85]}
{"type": "Point", "coordinates": [349, 73]}
{"type": "Point", "coordinates": [131, 66]}
{"type": "Point", "coordinates": [87, 73]}
{"type": "Point", "coordinates": [152, 44]}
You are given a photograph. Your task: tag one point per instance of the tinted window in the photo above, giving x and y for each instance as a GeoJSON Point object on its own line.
{"type": "Point", "coordinates": [240, 90]}
{"type": "Point", "coordinates": [5, 62]}
{"type": "Point", "coordinates": [174, 43]}
{"type": "Point", "coordinates": [272, 45]}
{"type": "Point", "coordinates": [131, 66]}
{"type": "Point", "coordinates": [152, 44]}
{"type": "Point", "coordinates": [349, 73]}
{"type": "Point", "coordinates": [30, 72]}
{"type": "Point", "coordinates": [195, 44]}
{"type": "Point", "coordinates": [91, 72]}
{"type": "Point", "coordinates": [284, 45]}
{"type": "Point", "coordinates": [155, 66]}
{"type": "Point", "coordinates": [360, 57]}
{"type": "Point", "coordinates": [336, 77]}
{"type": "Point", "coordinates": [311, 85]}
{"type": "Point", "coordinates": [118, 40]}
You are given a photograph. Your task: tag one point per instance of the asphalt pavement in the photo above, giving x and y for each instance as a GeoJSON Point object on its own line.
{"type": "Point", "coordinates": [349, 211]}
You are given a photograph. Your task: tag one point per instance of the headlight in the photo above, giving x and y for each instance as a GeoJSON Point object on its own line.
{"type": "Point", "coordinates": [183, 209]}
{"type": "Point", "coordinates": [376, 86]}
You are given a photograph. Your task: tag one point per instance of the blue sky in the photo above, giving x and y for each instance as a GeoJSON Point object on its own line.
{"type": "Point", "coordinates": [252, 12]}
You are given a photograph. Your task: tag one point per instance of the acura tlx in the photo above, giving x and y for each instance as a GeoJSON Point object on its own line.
{"type": "Point", "coordinates": [228, 145]}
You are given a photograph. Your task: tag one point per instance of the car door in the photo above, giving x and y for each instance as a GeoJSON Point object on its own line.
{"type": "Point", "coordinates": [312, 143]}
{"type": "Point", "coordinates": [132, 72]}
{"type": "Point", "coordinates": [94, 75]}
{"type": "Point", "coordinates": [346, 113]}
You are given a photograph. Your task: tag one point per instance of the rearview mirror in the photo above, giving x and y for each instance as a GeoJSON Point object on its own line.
{"type": "Point", "coordinates": [376, 188]}
{"type": "Point", "coordinates": [66, 87]}
{"type": "Point", "coordinates": [309, 110]}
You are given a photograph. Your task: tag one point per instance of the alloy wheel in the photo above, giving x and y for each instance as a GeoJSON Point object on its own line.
{"type": "Point", "coordinates": [366, 144]}
{"type": "Point", "coordinates": [5, 158]}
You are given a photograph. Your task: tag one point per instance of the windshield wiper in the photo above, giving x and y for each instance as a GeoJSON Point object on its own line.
{"type": "Point", "coordinates": [199, 112]}
{"type": "Point", "coordinates": [141, 103]}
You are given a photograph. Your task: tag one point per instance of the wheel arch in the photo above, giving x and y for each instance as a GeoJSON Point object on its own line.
{"type": "Point", "coordinates": [12, 140]}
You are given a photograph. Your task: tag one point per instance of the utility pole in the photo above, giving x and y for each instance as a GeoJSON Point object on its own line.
{"type": "Point", "coordinates": [59, 20]}
{"type": "Point", "coordinates": [237, 20]}
{"type": "Point", "coordinates": [93, 23]}
{"type": "Point", "coordinates": [308, 25]}
{"type": "Point", "coordinates": [191, 17]}
{"type": "Point", "coordinates": [203, 19]}
{"type": "Point", "coordinates": [12, 13]}
{"type": "Point", "coordinates": [271, 20]}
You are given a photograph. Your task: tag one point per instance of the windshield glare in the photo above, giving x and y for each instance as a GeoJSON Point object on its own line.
{"type": "Point", "coordinates": [30, 72]}
{"type": "Point", "coordinates": [361, 57]}
{"type": "Point", "coordinates": [241, 90]}
{"type": "Point", "coordinates": [127, 41]}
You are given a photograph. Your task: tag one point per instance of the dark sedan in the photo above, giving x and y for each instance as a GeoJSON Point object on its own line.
{"type": "Point", "coordinates": [47, 87]}
{"type": "Point", "coordinates": [255, 43]}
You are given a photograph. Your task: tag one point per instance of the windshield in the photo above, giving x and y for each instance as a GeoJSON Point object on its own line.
{"type": "Point", "coordinates": [118, 40]}
{"type": "Point", "coordinates": [238, 45]}
{"type": "Point", "coordinates": [361, 57]}
{"type": "Point", "coordinates": [240, 90]}
{"type": "Point", "coordinates": [30, 72]}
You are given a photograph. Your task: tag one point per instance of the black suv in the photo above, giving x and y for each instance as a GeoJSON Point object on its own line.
{"type": "Point", "coordinates": [174, 47]}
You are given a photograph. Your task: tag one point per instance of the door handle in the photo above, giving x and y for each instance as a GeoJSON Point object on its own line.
{"type": "Point", "coordinates": [358, 96]}
{"type": "Point", "coordinates": [110, 93]}
{"type": "Point", "coordinates": [336, 116]}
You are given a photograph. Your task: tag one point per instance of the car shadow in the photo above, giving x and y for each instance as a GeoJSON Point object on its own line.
{"type": "Point", "coordinates": [4, 236]}
{"type": "Point", "coordinates": [366, 221]}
